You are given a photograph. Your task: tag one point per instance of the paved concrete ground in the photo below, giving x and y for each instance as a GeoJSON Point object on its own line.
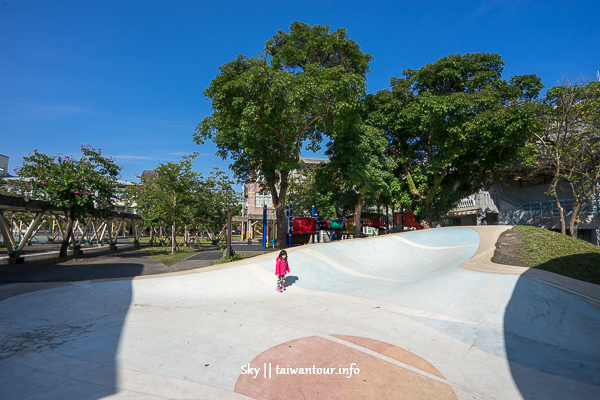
{"type": "Point", "coordinates": [413, 315]}
{"type": "Point", "coordinates": [126, 263]}
{"type": "Point", "coordinates": [102, 263]}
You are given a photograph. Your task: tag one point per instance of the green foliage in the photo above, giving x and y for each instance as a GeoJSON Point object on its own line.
{"type": "Point", "coordinates": [566, 145]}
{"type": "Point", "coordinates": [85, 186]}
{"type": "Point", "coordinates": [179, 196]}
{"type": "Point", "coordinates": [213, 201]}
{"type": "Point", "coordinates": [166, 198]}
{"type": "Point", "coordinates": [358, 173]}
{"type": "Point", "coordinates": [304, 192]}
{"type": "Point", "coordinates": [306, 84]}
{"type": "Point", "coordinates": [451, 125]}
{"type": "Point", "coordinates": [12, 188]}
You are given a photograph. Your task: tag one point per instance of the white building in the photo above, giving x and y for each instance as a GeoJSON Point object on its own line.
{"type": "Point", "coordinates": [3, 165]}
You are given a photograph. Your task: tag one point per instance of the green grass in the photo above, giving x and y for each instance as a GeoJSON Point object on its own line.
{"type": "Point", "coordinates": [179, 239]}
{"type": "Point", "coordinates": [561, 254]}
{"type": "Point", "coordinates": [238, 257]}
{"type": "Point", "coordinates": [165, 256]}
{"type": "Point", "coordinates": [162, 254]}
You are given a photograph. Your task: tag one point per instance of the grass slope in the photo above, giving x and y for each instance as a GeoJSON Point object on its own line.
{"type": "Point", "coordinates": [561, 254]}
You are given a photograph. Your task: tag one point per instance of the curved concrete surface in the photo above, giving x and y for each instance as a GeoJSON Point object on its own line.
{"type": "Point", "coordinates": [388, 317]}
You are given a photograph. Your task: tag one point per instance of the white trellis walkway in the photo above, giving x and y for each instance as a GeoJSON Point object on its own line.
{"type": "Point", "coordinates": [92, 230]}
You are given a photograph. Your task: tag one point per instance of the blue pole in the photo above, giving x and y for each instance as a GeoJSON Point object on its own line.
{"type": "Point", "coordinates": [312, 214]}
{"type": "Point", "coordinates": [318, 230]}
{"type": "Point", "coordinates": [265, 226]}
{"type": "Point", "coordinates": [290, 225]}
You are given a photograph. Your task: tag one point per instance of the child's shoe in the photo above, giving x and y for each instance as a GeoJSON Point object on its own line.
{"type": "Point", "coordinates": [279, 290]}
{"type": "Point", "coordinates": [283, 288]}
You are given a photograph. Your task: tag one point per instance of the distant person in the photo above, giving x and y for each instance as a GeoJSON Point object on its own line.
{"type": "Point", "coordinates": [484, 221]}
{"type": "Point", "coordinates": [281, 268]}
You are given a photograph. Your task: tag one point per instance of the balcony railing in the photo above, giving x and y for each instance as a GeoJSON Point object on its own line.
{"type": "Point", "coordinates": [546, 209]}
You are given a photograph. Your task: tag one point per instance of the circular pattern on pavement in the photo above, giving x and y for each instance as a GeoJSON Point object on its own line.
{"type": "Point", "coordinates": [316, 367]}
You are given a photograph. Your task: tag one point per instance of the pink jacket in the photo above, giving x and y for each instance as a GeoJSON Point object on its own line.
{"type": "Point", "coordinates": [281, 266]}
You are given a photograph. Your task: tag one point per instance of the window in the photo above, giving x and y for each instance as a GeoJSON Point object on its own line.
{"type": "Point", "coordinates": [262, 199]}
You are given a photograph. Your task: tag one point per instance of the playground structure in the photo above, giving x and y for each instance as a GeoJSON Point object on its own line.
{"type": "Point", "coordinates": [314, 229]}
{"type": "Point", "coordinates": [303, 230]}
{"type": "Point", "coordinates": [51, 222]}
{"type": "Point", "coordinates": [406, 219]}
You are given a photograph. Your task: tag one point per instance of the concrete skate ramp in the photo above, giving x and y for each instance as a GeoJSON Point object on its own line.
{"type": "Point", "coordinates": [402, 308]}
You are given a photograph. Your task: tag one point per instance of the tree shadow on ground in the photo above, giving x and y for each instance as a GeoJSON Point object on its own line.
{"type": "Point", "coordinates": [63, 341]}
{"type": "Point", "coordinates": [551, 337]}
{"type": "Point", "coordinates": [68, 272]}
{"type": "Point", "coordinates": [585, 267]}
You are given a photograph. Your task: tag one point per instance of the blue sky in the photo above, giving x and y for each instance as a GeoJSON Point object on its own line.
{"type": "Point", "coordinates": [128, 76]}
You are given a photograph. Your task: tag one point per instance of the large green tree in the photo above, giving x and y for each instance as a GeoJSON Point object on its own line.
{"type": "Point", "coordinates": [177, 196]}
{"type": "Point", "coordinates": [304, 192]}
{"type": "Point", "coordinates": [266, 110]}
{"type": "Point", "coordinates": [452, 124]}
{"type": "Point", "coordinates": [215, 198]}
{"type": "Point", "coordinates": [86, 186]}
{"type": "Point", "coordinates": [166, 197]}
{"type": "Point", "coordinates": [359, 173]}
{"type": "Point", "coordinates": [567, 147]}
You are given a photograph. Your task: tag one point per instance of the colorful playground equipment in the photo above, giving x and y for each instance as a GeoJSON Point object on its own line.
{"type": "Point", "coordinates": [301, 229]}
{"type": "Point", "coordinates": [406, 219]}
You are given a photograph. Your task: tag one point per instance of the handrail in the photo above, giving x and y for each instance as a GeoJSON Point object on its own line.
{"type": "Point", "coordinates": [546, 208]}
{"type": "Point", "coordinates": [509, 200]}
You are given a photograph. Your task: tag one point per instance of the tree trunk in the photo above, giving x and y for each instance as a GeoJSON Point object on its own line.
{"type": "Point", "coordinates": [574, 221]}
{"type": "Point", "coordinates": [280, 216]}
{"type": "Point", "coordinates": [427, 221]}
{"type": "Point", "coordinates": [561, 216]}
{"type": "Point", "coordinates": [357, 216]}
{"type": "Point", "coordinates": [279, 204]}
{"type": "Point", "coordinates": [151, 241]}
{"type": "Point", "coordinates": [69, 232]}
{"type": "Point", "coordinates": [173, 239]}
{"type": "Point", "coordinates": [561, 210]}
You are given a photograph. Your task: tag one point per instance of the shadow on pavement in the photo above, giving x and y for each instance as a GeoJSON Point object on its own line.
{"type": "Point", "coordinates": [549, 330]}
{"type": "Point", "coordinates": [290, 280]}
{"type": "Point", "coordinates": [66, 338]}
{"type": "Point", "coordinates": [114, 265]}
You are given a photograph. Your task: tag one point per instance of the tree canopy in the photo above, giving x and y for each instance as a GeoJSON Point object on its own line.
{"type": "Point", "coordinates": [84, 187]}
{"type": "Point", "coordinates": [451, 125]}
{"type": "Point", "coordinates": [567, 145]}
{"type": "Point", "coordinates": [266, 110]}
{"type": "Point", "coordinates": [166, 197]}
{"type": "Point", "coordinates": [359, 173]}
{"type": "Point", "coordinates": [177, 196]}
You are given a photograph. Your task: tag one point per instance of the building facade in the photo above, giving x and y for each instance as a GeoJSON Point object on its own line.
{"type": "Point", "coordinates": [518, 202]}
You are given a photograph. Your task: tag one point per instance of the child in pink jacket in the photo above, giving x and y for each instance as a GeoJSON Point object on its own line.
{"type": "Point", "coordinates": [281, 268]}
